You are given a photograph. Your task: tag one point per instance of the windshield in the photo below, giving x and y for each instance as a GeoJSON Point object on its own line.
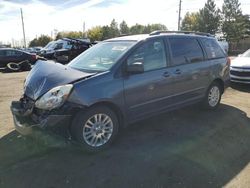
{"type": "Point", "coordinates": [68, 46]}
{"type": "Point", "coordinates": [50, 45]}
{"type": "Point", "coordinates": [102, 56]}
{"type": "Point", "coordinates": [246, 54]}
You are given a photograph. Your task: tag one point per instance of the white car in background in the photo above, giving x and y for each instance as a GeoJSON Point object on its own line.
{"type": "Point", "coordinates": [240, 68]}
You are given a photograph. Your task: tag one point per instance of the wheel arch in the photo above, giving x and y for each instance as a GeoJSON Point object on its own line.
{"type": "Point", "coordinates": [114, 108]}
{"type": "Point", "coordinates": [220, 82]}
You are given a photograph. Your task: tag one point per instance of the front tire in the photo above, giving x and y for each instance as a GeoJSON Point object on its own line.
{"type": "Point", "coordinates": [96, 128]}
{"type": "Point", "coordinates": [213, 96]}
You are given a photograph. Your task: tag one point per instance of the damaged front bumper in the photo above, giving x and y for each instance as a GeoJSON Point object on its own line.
{"type": "Point", "coordinates": [26, 120]}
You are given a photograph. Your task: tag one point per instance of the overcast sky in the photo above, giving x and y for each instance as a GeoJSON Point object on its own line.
{"type": "Point", "coordinates": [43, 16]}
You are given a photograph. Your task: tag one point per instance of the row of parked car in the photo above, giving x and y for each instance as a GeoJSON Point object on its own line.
{"type": "Point", "coordinates": [62, 50]}
{"type": "Point", "coordinates": [16, 60]}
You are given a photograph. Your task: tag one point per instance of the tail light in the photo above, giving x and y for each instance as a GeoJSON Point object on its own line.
{"type": "Point", "coordinates": [33, 57]}
{"type": "Point", "coordinates": [228, 61]}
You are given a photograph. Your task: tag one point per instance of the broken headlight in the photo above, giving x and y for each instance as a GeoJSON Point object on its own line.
{"type": "Point", "coordinates": [54, 98]}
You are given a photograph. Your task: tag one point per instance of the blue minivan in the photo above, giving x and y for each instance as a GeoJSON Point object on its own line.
{"type": "Point", "coordinates": [120, 81]}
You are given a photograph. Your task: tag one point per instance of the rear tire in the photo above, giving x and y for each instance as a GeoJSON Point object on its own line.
{"type": "Point", "coordinates": [13, 67]}
{"type": "Point", "coordinates": [96, 128]}
{"type": "Point", "coordinates": [213, 96]}
{"type": "Point", "coordinates": [25, 66]}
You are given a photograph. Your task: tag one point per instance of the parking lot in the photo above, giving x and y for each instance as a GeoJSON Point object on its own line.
{"type": "Point", "coordinates": [184, 148]}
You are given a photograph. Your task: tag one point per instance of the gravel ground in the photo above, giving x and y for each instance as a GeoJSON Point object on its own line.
{"type": "Point", "coordinates": [183, 148]}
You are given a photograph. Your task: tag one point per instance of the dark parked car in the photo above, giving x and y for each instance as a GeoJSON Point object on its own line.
{"type": "Point", "coordinates": [34, 50]}
{"type": "Point", "coordinates": [9, 55]}
{"type": "Point", "coordinates": [120, 81]}
{"type": "Point", "coordinates": [74, 48]}
{"type": "Point", "coordinates": [49, 50]}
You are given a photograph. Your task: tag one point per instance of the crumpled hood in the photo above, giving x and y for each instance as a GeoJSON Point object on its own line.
{"type": "Point", "coordinates": [46, 75]}
{"type": "Point", "coordinates": [241, 62]}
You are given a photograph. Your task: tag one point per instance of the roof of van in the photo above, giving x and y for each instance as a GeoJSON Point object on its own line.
{"type": "Point", "coordinates": [145, 36]}
{"type": "Point", "coordinates": [130, 38]}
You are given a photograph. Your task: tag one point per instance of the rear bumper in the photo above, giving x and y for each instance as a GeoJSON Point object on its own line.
{"type": "Point", "coordinates": [25, 124]}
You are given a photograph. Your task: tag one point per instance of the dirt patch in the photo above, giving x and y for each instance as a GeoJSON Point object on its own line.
{"type": "Point", "coordinates": [11, 88]}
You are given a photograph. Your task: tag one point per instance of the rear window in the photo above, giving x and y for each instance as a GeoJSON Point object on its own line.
{"type": "Point", "coordinates": [185, 50]}
{"type": "Point", "coordinates": [213, 49]}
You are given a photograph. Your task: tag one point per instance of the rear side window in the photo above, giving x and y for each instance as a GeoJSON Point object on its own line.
{"type": "Point", "coordinates": [2, 52]}
{"type": "Point", "coordinates": [185, 50]}
{"type": "Point", "coordinates": [213, 49]}
{"type": "Point", "coordinates": [13, 53]}
{"type": "Point", "coordinates": [10, 53]}
{"type": "Point", "coordinates": [18, 53]}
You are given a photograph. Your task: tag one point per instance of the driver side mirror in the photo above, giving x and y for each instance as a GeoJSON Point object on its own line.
{"type": "Point", "coordinates": [135, 68]}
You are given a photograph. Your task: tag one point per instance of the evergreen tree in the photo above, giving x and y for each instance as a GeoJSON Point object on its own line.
{"type": "Point", "coordinates": [137, 29]}
{"type": "Point", "coordinates": [205, 20]}
{"type": "Point", "coordinates": [209, 18]}
{"type": "Point", "coordinates": [234, 25]}
{"type": "Point", "coordinates": [154, 27]}
{"type": "Point", "coordinates": [95, 34]}
{"type": "Point", "coordinates": [69, 34]}
{"type": "Point", "coordinates": [40, 41]}
{"type": "Point", "coordinates": [190, 22]}
{"type": "Point", "coordinates": [114, 30]}
{"type": "Point", "coordinates": [124, 29]}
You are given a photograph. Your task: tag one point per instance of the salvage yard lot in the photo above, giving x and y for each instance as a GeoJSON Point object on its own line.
{"type": "Point", "coordinates": [184, 148]}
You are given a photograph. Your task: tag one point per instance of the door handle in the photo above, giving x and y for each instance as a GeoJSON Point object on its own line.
{"type": "Point", "coordinates": [166, 74]}
{"type": "Point", "coordinates": [177, 71]}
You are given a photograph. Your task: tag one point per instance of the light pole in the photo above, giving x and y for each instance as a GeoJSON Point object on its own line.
{"type": "Point", "coordinates": [83, 30]}
{"type": "Point", "coordinates": [179, 17]}
{"type": "Point", "coordinates": [24, 39]}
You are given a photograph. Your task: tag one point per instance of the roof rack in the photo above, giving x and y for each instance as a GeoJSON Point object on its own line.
{"type": "Point", "coordinates": [181, 32]}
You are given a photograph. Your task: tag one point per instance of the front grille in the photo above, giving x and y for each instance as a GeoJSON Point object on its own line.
{"type": "Point", "coordinates": [238, 73]}
{"type": "Point", "coordinates": [242, 68]}
{"type": "Point", "coordinates": [240, 80]}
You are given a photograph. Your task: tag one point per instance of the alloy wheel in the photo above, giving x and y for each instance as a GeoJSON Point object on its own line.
{"type": "Point", "coordinates": [97, 130]}
{"type": "Point", "coordinates": [214, 96]}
